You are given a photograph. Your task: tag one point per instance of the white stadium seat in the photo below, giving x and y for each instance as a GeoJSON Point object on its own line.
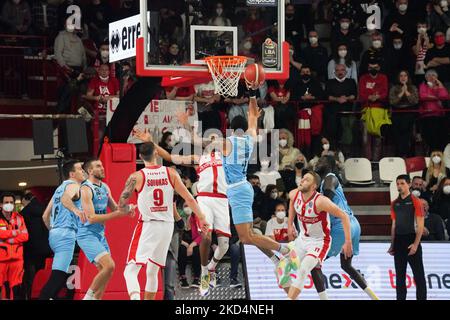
{"type": "Point", "coordinates": [358, 171]}
{"type": "Point", "coordinates": [390, 168]}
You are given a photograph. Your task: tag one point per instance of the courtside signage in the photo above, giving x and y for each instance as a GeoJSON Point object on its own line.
{"type": "Point", "coordinates": [374, 263]}
{"type": "Point", "coordinates": [262, 3]}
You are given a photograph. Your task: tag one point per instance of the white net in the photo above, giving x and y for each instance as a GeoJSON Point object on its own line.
{"type": "Point", "coordinates": [226, 71]}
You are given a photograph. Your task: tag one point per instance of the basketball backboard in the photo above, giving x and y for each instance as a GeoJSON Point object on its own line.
{"type": "Point", "coordinates": [196, 29]}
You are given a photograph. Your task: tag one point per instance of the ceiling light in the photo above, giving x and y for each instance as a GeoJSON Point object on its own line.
{"type": "Point", "coordinates": [22, 184]}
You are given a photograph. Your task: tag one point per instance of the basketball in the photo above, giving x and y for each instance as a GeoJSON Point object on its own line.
{"type": "Point", "coordinates": [254, 74]}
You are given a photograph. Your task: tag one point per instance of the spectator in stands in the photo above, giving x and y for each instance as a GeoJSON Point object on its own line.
{"type": "Point", "coordinates": [284, 111]}
{"type": "Point", "coordinates": [288, 153]}
{"type": "Point", "coordinates": [346, 34]}
{"type": "Point", "coordinates": [419, 189]}
{"type": "Point", "coordinates": [436, 171]}
{"type": "Point", "coordinates": [13, 234]}
{"type": "Point", "coordinates": [37, 248]}
{"type": "Point", "coordinates": [269, 175]}
{"type": "Point", "coordinates": [447, 156]}
{"type": "Point", "coordinates": [170, 270]}
{"type": "Point", "coordinates": [339, 9]}
{"type": "Point", "coordinates": [207, 110]}
{"type": "Point", "coordinates": [373, 92]}
{"type": "Point", "coordinates": [64, 13]}
{"type": "Point", "coordinates": [309, 88]}
{"type": "Point", "coordinates": [341, 92]}
{"type": "Point", "coordinates": [102, 88]}
{"type": "Point", "coordinates": [180, 93]}
{"type": "Point", "coordinates": [16, 16]}
{"type": "Point", "coordinates": [438, 15]}
{"type": "Point", "coordinates": [406, 233]}
{"type": "Point", "coordinates": [402, 21]}
{"type": "Point", "coordinates": [258, 197]}
{"type": "Point", "coordinates": [103, 58]}
{"type": "Point", "coordinates": [434, 225]}
{"type": "Point", "coordinates": [277, 226]}
{"type": "Point", "coordinates": [328, 149]}
{"type": "Point", "coordinates": [315, 55]}
{"type": "Point", "coordinates": [189, 247]}
{"type": "Point", "coordinates": [377, 52]}
{"type": "Point", "coordinates": [98, 16]}
{"type": "Point", "coordinates": [403, 96]}
{"type": "Point", "coordinates": [253, 26]}
{"type": "Point", "coordinates": [432, 116]}
{"type": "Point", "coordinates": [420, 50]}
{"type": "Point", "coordinates": [128, 8]}
{"type": "Point", "coordinates": [271, 199]}
{"type": "Point", "coordinates": [173, 55]}
{"type": "Point", "coordinates": [366, 37]}
{"type": "Point", "coordinates": [441, 202]}
{"type": "Point", "coordinates": [44, 17]}
{"type": "Point", "coordinates": [218, 18]}
{"type": "Point", "coordinates": [170, 24]}
{"type": "Point", "coordinates": [438, 57]}
{"type": "Point", "coordinates": [127, 78]}
{"type": "Point", "coordinates": [341, 55]}
{"type": "Point", "coordinates": [293, 26]}
{"type": "Point", "coordinates": [400, 57]}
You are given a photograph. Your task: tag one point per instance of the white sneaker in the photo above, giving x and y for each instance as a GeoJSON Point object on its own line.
{"type": "Point", "coordinates": [204, 285]}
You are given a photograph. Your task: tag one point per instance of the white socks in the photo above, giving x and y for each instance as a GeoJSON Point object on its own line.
{"type": "Point", "coordinates": [323, 295]}
{"type": "Point", "coordinates": [135, 296]}
{"type": "Point", "coordinates": [212, 265]}
{"type": "Point", "coordinates": [89, 295]}
{"type": "Point", "coordinates": [205, 270]}
{"type": "Point", "coordinates": [371, 294]}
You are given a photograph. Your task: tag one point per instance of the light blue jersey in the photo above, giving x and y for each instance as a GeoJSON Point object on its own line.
{"type": "Point", "coordinates": [100, 196]}
{"type": "Point", "coordinates": [61, 217]}
{"type": "Point", "coordinates": [339, 200]}
{"type": "Point", "coordinates": [236, 163]}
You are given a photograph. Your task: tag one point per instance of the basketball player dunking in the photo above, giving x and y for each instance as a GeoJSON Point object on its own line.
{"type": "Point", "coordinates": [151, 239]}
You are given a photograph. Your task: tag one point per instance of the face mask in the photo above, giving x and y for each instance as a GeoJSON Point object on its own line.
{"type": "Point", "coordinates": [313, 40]}
{"type": "Point", "coordinates": [305, 77]}
{"type": "Point", "coordinates": [70, 28]}
{"type": "Point", "coordinates": [291, 52]}
{"type": "Point", "coordinates": [416, 193]}
{"type": "Point", "coordinates": [126, 73]}
{"type": "Point", "coordinates": [403, 7]}
{"type": "Point", "coordinates": [373, 72]}
{"type": "Point", "coordinates": [280, 215]}
{"type": "Point", "coordinates": [104, 78]}
{"type": "Point", "coordinates": [187, 211]}
{"type": "Point", "coordinates": [247, 45]}
{"type": "Point", "coordinates": [264, 164]}
{"type": "Point", "coordinates": [376, 44]}
{"type": "Point", "coordinates": [430, 84]}
{"type": "Point", "coordinates": [326, 146]}
{"type": "Point", "coordinates": [345, 25]}
{"type": "Point", "coordinates": [104, 53]}
{"type": "Point", "coordinates": [9, 207]}
{"type": "Point", "coordinates": [446, 190]}
{"type": "Point", "coordinates": [436, 159]}
{"type": "Point", "coordinates": [274, 195]}
{"type": "Point", "coordinates": [342, 53]}
{"type": "Point", "coordinates": [398, 46]}
{"type": "Point", "coordinates": [298, 179]}
{"type": "Point", "coordinates": [439, 40]}
{"type": "Point", "coordinates": [444, 3]}
{"type": "Point", "coordinates": [339, 79]}
{"type": "Point", "coordinates": [299, 165]}
{"type": "Point", "coordinates": [283, 143]}
{"type": "Point", "coordinates": [289, 16]}
{"type": "Point", "coordinates": [421, 30]}
{"type": "Point", "coordinates": [219, 11]}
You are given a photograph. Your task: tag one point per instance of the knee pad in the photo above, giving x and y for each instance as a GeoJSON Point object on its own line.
{"type": "Point", "coordinates": [222, 248]}
{"type": "Point", "coordinates": [151, 284]}
{"type": "Point", "coordinates": [131, 273]}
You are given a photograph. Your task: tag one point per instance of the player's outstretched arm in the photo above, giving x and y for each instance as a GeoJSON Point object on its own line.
{"type": "Point", "coordinates": [291, 216]}
{"type": "Point", "coordinates": [134, 183]}
{"type": "Point", "coordinates": [253, 114]}
{"type": "Point", "coordinates": [330, 184]}
{"type": "Point", "coordinates": [72, 192]}
{"type": "Point", "coordinates": [325, 204]}
{"type": "Point", "coordinates": [181, 189]}
{"type": "Point", "coordinates": [47, 212]}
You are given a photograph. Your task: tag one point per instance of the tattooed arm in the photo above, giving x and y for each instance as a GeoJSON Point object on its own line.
{"type": "Point", "coordinates": [133, 183]}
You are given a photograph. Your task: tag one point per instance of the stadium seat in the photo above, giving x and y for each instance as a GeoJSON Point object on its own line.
{"type": "Point", "coordinates": [390, 168]}
{"type": "Point", "coordinates": [358, 171]}
{"type": "Point", "coordinates": [393, 190]}
{"type": "Point", "coordinates": [415, 166]}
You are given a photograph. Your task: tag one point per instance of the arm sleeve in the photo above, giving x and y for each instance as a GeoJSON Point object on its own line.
{"type": "Point", "coordinates": [331, 69]}
{"type": "Point", "coordinates": [392, 210]}
{"type": "Point", "coordinates": [363, 93]}
{"type": "Point", "coordinates": [414, 97]}
{"type": "Point", "coordinates": [442, 93]}
{"type": "Point", "coordinates": [329, 186]}
{"type": "Point", "coordinates": [58, 48]}
{"type": "Point", "coordinates": [6, 234]}
{"type": "Point", "coordinates": [418, 209]}
{"type": "Point", "coordinates": [23, 235]}
{"type": "Point", "coordinates": [384, 88]}
{"type": "Point", "coordinates": [393, 96]}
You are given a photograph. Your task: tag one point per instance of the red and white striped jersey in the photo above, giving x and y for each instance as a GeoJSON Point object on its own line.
{"type": "Point", "coordinates": [155, 199]}
{"type": "Point", "coordinates": [211, 177]}
{"type": "Point", "coordinates": [313, 225]}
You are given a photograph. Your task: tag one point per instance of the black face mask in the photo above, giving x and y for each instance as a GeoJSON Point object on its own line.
{"type": "Point", "coordinates": [299, 165]}
{"type": "Point", "coordinates": [256, 189]}
{"type": "Point", "coordinates": [373, 72]}
{"type": "Point", "coordinates": [306, 77]}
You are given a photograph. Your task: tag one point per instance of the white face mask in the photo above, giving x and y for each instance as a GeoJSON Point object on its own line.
{"type": "Point", "coordinates": [104, 78]}
{"type": "Point", "coordinates": [416, 193]}
{"type": "Point", "coordinates": [297, 180]}
{"type": "Point", "coordinates": [430, 84]}
{"type": "Point", "coordinates": [283, 143]}
{"type": "Point", "coordinates": [436, 159]}
{"type": "Point", "coordinates": [326, 146]}
{"type": "Point", "coordinates": [247, 45]}
{"type": "Point", "coordinates": [444, 3]}
{"type": "Point", "coordinates": [446, 190]}
{"type": "Point", "coordinates": [398, 46]}
{"type": "Point", "coordinates": [265, 164]}
{"type": "Point", "coordinates": [104, 53]}
{"type": "Point", "coordinates": [9, 207]}
{"type": "Point", "coordinates": [280, 215]}
{"type": "Point", "coordinates": [219, 11]}
{"type": "Point", "coordinates": [376, 44]}
{"type": "Point", "coordinates": [70, 28]}
{"type": "Point", "coordinates": [313, 40]}
{"type": "Point", "coordinates": [403, 7]}
{"type": "Point", "coordinates": [342, 53]}
{"type": "Point", "coordinates": [274, 195]}
{"type": "Point", "coordinates": [421, 30]}
{"type": "Point", "coordinates": [187, 211]}
{"type": "Point", "coordinates": [345, 25]}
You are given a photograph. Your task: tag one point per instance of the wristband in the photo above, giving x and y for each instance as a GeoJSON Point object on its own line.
{"type": "Point", "coordinates": [252, 92]}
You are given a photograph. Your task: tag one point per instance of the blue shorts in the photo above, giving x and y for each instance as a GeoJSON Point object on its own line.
{"type": "Point", "coordinates": [62, 242]}
{"type": "Point", "coordinates": [93, 244]}
{"type": "Point", "coordinates": [338, 237]}
{"type": "Point", "coordinates": [240, 198]}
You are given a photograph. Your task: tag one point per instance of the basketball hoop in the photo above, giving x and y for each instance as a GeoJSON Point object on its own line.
{"type": "Point", "coordinates": [226, 72]}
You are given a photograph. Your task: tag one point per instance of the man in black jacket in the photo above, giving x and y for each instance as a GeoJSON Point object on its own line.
{"type": "Point", "coordinates": [37, 249]}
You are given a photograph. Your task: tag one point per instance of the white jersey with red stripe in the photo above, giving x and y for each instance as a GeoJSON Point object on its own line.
{"type": "Point", "coordinates": [211, 177]}
{"type": "Point", "coordinates": [313, 225]}
{"type": "Point", "coordinates": [155, 199]}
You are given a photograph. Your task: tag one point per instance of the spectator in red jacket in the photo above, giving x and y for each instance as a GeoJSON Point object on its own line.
{"type": "Point", "coordinates": [13, 233]}
{"type": "Point", "coordinates": [373, 92]}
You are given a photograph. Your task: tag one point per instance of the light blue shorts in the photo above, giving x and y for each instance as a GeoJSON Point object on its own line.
{"type": "Point", "coordinates": [338, 237]}
{"type": "Point", "coordinates": [62, 242]}
{"type": "Point", "coordinates": [93, 244]}
{"type": "Point", "coordinates": [240, 198]}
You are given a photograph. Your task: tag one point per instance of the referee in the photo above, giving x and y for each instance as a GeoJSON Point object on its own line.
{"type": "Point", "coordinates": [407, 228]}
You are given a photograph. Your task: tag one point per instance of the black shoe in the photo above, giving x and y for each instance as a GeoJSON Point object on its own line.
{"type": "Point", "coordinates": [234, 283]}
{"type": "Point", "coordinates": [183, 283]}
{"type": "Point", "coordinates": [195, 283]}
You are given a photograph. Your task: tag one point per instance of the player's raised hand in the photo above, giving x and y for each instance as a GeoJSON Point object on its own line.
{"type": "Point", "coordinates": [347, 249]}
{"type": "Point", "coordinates": [143, 135]}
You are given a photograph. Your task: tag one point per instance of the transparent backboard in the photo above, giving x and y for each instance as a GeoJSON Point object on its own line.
{"type": "Point", "coordinates": [181, 33]}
